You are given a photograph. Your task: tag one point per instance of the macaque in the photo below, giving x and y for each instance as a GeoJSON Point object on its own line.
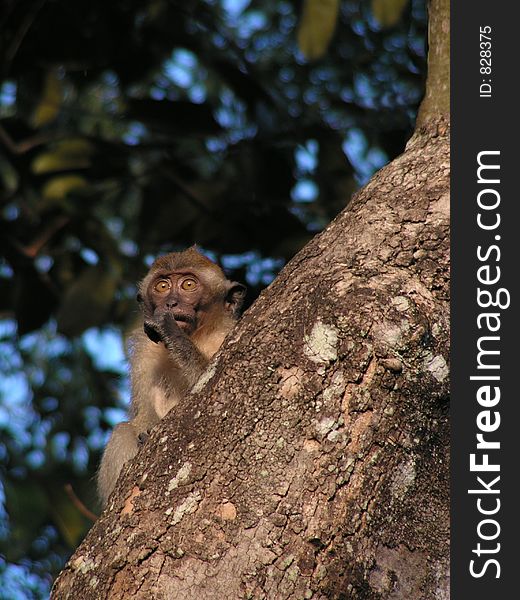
{"type": "Point", "coordinates": [188, 308]}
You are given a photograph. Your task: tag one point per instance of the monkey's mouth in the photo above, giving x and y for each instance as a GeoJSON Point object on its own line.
{"type": "Point", "coordinates": [183, 319]}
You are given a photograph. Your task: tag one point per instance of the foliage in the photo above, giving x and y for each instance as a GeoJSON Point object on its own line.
{"type": "Point", "coordinates": [129, 128]}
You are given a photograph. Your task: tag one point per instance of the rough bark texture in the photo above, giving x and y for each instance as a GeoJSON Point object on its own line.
{"type": "Point", "coordinates": [436, 101]}
{"type": "Point", "coordinates": [312, 462]}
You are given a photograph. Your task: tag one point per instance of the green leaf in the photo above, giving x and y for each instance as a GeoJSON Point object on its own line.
{"type": "Point", "coordinates": [317, 26]}
{"type": "Point", "coordinates": [58, 187]}
{"type": "Point", "coordinates": [50, 103]}
{"type": "Point", "coordinates": [8, 175]}
{"type": "Point", "coordinates": [388, 12]}
{"type": "Point", "coordinates": [87, 301]}
{"type": "Point", "coordinates": [64, 156]}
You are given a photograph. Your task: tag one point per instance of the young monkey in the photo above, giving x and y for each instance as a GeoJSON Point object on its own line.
{"type": "Point", "coordinates": [188, 308]}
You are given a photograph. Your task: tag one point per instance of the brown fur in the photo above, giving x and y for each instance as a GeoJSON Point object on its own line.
{"type": "Point", "coordinates": [162, 373]}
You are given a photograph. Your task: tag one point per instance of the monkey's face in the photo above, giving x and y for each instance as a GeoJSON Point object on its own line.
{"type": "Point", "coordinates": [180, 294]}
{"type": "Point", "coordinates": [192, 289]}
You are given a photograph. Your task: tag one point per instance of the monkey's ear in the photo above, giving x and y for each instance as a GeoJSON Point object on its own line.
{"type": "Point", "coordinates": [235, 296]}
{"type": "Point", "coordinates": [139, 298]}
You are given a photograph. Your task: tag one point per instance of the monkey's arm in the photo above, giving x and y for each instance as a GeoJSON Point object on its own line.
{"type": "Point", "coordinates": [181, 349]}
{"type": "Point", "coordinates": [121, 447]}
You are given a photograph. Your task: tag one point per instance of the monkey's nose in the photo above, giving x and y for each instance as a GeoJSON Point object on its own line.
{"type": "Point", "coordinates": [171, 303]}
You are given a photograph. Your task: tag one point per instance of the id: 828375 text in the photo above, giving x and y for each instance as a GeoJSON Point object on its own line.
{"type": "Point", "coordinates": [485, 89]}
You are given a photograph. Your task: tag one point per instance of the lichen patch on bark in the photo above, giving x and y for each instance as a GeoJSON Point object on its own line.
{"type": "Point", "coordinates": [320, 344]}
{"type": "Point", "coordinates": [181, 476]}
{"type": "Point", "coordinates": [188, 506]}
{"type": "Point", "coordinates": [437, 366]}
{"type": "Point", "coordinates": [404, 478]}
{"type": "Point", "coordinates": [205, 377]}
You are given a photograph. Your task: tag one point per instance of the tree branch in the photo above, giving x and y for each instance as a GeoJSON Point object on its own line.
{"type": "Point", "coordinates": [436, 101]}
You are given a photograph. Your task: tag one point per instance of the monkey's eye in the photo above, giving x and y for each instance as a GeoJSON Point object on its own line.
{"type": "Point", "coordinates": [162, 286]}
{"type": "Point", "coordinates": [189, 284]}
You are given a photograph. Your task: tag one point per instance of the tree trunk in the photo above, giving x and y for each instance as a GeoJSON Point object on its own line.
{"type": "Point", "coordinates": [313, 460]}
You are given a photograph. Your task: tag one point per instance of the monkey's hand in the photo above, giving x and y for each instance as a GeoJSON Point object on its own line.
{"type": "Point", "coordinates": [153, 330]}
{"type": "Point", "coordinates": [180, 348]}
{"type": "Point", "coordinates": [142, 438]}
{"type": "Point", "coordinates": [163, 329]}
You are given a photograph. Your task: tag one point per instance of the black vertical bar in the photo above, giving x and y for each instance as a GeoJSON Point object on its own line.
{"type": "Point", "coordinates": [485, 246]}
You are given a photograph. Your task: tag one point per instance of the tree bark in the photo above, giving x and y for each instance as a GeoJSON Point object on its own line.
{"type": "Point", "coordinates": [436, 101]}
{"type": "Point", "coordinates": [312, 459]}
